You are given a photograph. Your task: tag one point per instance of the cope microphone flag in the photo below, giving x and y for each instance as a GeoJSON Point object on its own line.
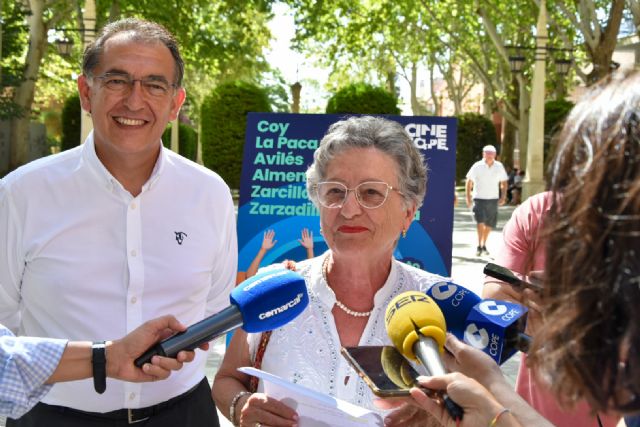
{"type": "Point", "coordinates": [416, 327]}
{"type": "Point", "coordinates": [493, 326]}
{"type": "Point", "coordinates": [261, 303]}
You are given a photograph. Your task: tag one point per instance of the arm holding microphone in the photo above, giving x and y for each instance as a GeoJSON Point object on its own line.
{"type": "Point", "coordinates": [479, 366]}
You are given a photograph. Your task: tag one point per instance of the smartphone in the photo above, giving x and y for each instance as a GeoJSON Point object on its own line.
{"type": "Point", "coordinates": [383, 369]}
{"type": "Point", "coordinates": [506, 275]}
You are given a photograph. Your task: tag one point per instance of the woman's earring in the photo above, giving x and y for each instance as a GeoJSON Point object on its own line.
{"type": "Point", "coordinates": [404, 233]}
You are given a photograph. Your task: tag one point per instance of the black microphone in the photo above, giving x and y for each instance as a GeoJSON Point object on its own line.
{"type": "Point", "coordinates": [502, 273]}
{"type": "Point", "coordinates": [261, 303]}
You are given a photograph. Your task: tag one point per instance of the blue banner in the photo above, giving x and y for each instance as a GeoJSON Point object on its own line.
{"type": "Point", "coordinates": [279, 149]}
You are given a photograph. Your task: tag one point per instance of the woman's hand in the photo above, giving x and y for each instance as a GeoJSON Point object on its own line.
{"type": "Point", "coordinates": [410, 415]}
{"type": "Point", "coordinates": [479, 405]}
{"type": "Point", "coordinates": [471, 362]}
{"type": "Point", "coordinates": [258, 408]}
{"type": "Point", "coordinates": [532, 300]}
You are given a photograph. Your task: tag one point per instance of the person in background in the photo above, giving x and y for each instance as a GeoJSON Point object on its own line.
{"type": "Point", "coordinates": [268, 242]}
{"type": "Point", "coordinates": [585, 236]}
{"type": "Point", "coordinates": [117, 231]}
{"type": "Point", "coordinates": [367, 180]}
{"type": "Point", "coordinates": [485, 190]}
{"type": "Point", "coordinates": [29, 365]}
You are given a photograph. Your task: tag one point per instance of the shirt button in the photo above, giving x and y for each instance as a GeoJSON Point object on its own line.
{"type": "Point", "coordinates": [133, 300]}
{"type": "Point", "coordinates": [133, 252]}
{"type": "Point", "coordinates": [133, 205]}
{"type": "Point", "coordinates": [132, 396]}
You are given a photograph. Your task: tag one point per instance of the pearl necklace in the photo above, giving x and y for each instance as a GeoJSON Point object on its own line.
{"type": "Point", "coordinates": [343, 307]}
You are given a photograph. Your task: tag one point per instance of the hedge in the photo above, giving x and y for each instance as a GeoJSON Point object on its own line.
{"type": "Point", "coordinates": [224, 119]}
{"type": "Point", "coordinates": [474, 132]}
{"type": "Point", "coordinates": [187, 141]}
{"type": "Point", "coordinates": [362, 98]}
{"type": "Point", "coordinates": [71, 123]}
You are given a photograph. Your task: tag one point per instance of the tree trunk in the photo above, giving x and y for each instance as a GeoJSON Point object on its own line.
{"type": "Point", "coordinates": [508, 143]}
{"type": "Point", "coordinates": [391, 82]}
{"type": "Point", "coordinates": [523, 125]}
{"type": "Point", "coordinates": [25, 92]}
{"type": "Point", "coordinates": [434, 95]}
{"type": "Point", "coordinates": [415, 105]}
{"type": "Point", "coordinates": [114, 11]}
{"type": "Point", "coordinates": [601, 55]}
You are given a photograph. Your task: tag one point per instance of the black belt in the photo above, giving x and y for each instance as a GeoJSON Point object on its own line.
{"type": "Point", "coordinates": [132, 415]}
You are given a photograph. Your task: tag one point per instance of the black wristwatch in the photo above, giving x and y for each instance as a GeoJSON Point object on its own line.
{"type": "Point", "coordinates": [99, 364]}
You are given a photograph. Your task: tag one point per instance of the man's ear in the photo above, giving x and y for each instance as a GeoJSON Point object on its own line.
{"type": "Point", "coordinates": [177, 101]}
{"type": "Point", "coordinates": [84, 90]}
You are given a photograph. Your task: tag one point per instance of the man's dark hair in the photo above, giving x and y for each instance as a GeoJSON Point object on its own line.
{"type": "Point", "coordinates": [140, 31]}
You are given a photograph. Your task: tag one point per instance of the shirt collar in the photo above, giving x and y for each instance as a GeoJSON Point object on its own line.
{"type": "Point", "coordinates": [90, 157]}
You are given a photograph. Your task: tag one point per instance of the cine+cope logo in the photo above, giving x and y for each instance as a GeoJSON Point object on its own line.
{"type": "Point", "coordinates": [476, 337]}
{"type": "Point", "coordinates": [443, 290]}
{"type": "Point", "coordinates": [492, 308]}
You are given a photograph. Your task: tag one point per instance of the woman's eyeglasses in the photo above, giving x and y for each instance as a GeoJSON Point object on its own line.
{"type": "Point", "coordinates": [370, 194]}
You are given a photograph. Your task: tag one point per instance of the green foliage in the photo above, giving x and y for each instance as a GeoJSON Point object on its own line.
{"type": "Point", "coordinates": [362, 98]}
{"type": "Point", "coordinates": [14, 39]}
{"type": "Point", "coordinates": [554, 114]}
{"type": "Point", "coordinates": [187, 141]}
{"type": "Point", "coordinates": [224, 119]}
{"type": "Point", "coordinates": [71, 123]}
{"type": "Point", "coordinates": [474, 132]}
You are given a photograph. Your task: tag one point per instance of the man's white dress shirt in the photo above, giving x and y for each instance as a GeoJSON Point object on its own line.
{"type": "Point", "coordinates": [85, 260]}
{"type": "Point", "coordinates": [486, 179]}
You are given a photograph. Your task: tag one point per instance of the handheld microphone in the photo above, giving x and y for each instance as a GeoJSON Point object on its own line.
{"type": "Point", "coordinates": [456, 303]}
{"type": "Point", "coordinates": [502, 273]}
{"type": "Point", "coordinates": [416, 326]}
{"type": "Point", "coordinates": [261, 303]}
{"type": "Point", "coordinates": [495, 327]}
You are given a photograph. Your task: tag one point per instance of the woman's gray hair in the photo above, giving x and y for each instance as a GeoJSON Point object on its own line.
{"type": "Point", "coordinates": [372, 132]}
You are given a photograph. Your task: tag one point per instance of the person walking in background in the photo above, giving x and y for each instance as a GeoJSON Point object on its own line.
{"type": "Point", "coordinates": [486, 188]}
{"type": "Point", "coordinates": [117, 231]}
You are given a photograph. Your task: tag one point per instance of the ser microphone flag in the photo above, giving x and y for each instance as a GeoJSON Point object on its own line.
{"type": "Point", "coordinates": [261, 303]}
{"type": "Point", "coordinates": [416, 326]}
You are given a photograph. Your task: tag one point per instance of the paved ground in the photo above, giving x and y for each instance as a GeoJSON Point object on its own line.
{"type": "Point", "coordinates": [467, 271]}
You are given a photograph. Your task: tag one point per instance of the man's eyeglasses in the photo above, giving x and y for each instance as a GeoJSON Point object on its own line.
{"type": "Point", "coordinates": [156, 87]}
{"type": "Point", "coordinates": [370, 195]}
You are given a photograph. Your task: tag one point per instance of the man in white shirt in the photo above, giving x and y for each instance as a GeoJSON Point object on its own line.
{"type": "Point", "coordinates": [487, 185]}
{"type": "Point", "coordinates": [118, 231]}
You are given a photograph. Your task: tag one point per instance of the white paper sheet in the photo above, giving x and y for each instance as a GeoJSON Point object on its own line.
{"type": "Point", "coordinates": [315, 409]}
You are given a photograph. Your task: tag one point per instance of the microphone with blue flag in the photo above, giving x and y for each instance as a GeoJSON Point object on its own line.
{"type": "Point", "coordinates": [261, 303]}
{"type": "Point", "coordinates": [493, 326]}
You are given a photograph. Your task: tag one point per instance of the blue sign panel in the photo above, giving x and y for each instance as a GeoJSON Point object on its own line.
{"type": "Point", "coordinates": [279, 149]}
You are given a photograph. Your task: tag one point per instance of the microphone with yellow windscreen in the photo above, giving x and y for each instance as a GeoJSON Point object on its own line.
{"type": "Point", "coordinates": [416, 326]}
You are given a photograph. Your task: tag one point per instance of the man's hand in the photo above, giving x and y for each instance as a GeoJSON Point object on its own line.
{"type": "Point", "coordinates": [121, 353]}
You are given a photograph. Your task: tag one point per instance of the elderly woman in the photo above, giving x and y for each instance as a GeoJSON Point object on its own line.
{"type": "Point", "coordinates": [367, 180]}
{"type": "Point", "coordinates": [587, 346]}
